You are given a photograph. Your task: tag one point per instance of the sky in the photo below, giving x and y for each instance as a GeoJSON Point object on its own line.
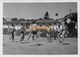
{"type": "Point", "coordinates": [37, 10]}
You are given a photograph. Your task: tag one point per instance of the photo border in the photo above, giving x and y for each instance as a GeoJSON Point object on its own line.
{"type": "Point", "coordinates": [33, 1]}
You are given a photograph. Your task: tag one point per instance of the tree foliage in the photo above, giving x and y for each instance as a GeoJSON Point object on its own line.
{"type": "Point", "coordinates": [21, 19]}
{"type": "Point", "coordinates": [14, 19]}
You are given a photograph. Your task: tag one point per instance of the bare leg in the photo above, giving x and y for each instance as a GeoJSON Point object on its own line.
{"type": "Point", "coordinates": [48, 37]}
{"type": "Point", "coordinates": [33, 37]}
{"type": "Point", "coordinates": [10, 38]}
{"type": "Point", "coordinates": [37, 39]}
{"type": "Point", "coordinates": [21, 38]}
{"type": "Point", "coordinates": [29, 36]}
{"type": "Point", "coordinates": [61, 38]}
{"type": "Point", "coordinates": [36, 36]}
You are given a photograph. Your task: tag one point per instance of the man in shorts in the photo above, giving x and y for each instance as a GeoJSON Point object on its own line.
{"type": "Point", "coordinates": [33, 28]}
{"type": "Point", "coordinates": [22, 33]}
{"type": "Point", "coordinates": [49, 32]}
{"type": "Point", "coordinates": [12, 33]}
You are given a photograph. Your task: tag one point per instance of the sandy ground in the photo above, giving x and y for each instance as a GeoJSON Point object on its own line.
{"type": "Point", "coordinates": [27, 47]}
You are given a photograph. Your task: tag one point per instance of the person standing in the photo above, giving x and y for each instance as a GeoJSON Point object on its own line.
{"type": "Point", "coordinates": [12, 33]}
{"type": "Point", "coordinates": [34, 30]}
{"type": "Point", "coordinates": [34, 33]}
{"type": "Point", "coordinates": [55, 31]}
{"type": "Point", "coordinates": [49, 32]}
{"type": "Point", "coordinates": [22, 33]}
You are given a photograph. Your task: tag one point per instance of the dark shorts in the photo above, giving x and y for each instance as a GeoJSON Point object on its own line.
{"type": "Point", "coordinates": [50, 33]}
{"type": "Point", "coordinates": [34, 32]}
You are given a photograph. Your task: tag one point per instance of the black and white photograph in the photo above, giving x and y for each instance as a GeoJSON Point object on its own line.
{"type": "Point", "coordinates": [40, 28]}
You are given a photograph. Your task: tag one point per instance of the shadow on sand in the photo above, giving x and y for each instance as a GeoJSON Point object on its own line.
{"type": "Point", "coordinates": [36, 45]}
{"type": "Point", "coordinates": [24, 42]}
{"type": "Point", "coordinates": [66, 44]}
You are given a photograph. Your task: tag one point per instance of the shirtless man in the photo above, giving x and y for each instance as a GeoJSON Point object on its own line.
{"type": "Point", "coordinates": [12, 33]}
{"type": "Point", "coordinates": [33, 28]}
{"type": "Point", "coordinates": [49, 32]}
